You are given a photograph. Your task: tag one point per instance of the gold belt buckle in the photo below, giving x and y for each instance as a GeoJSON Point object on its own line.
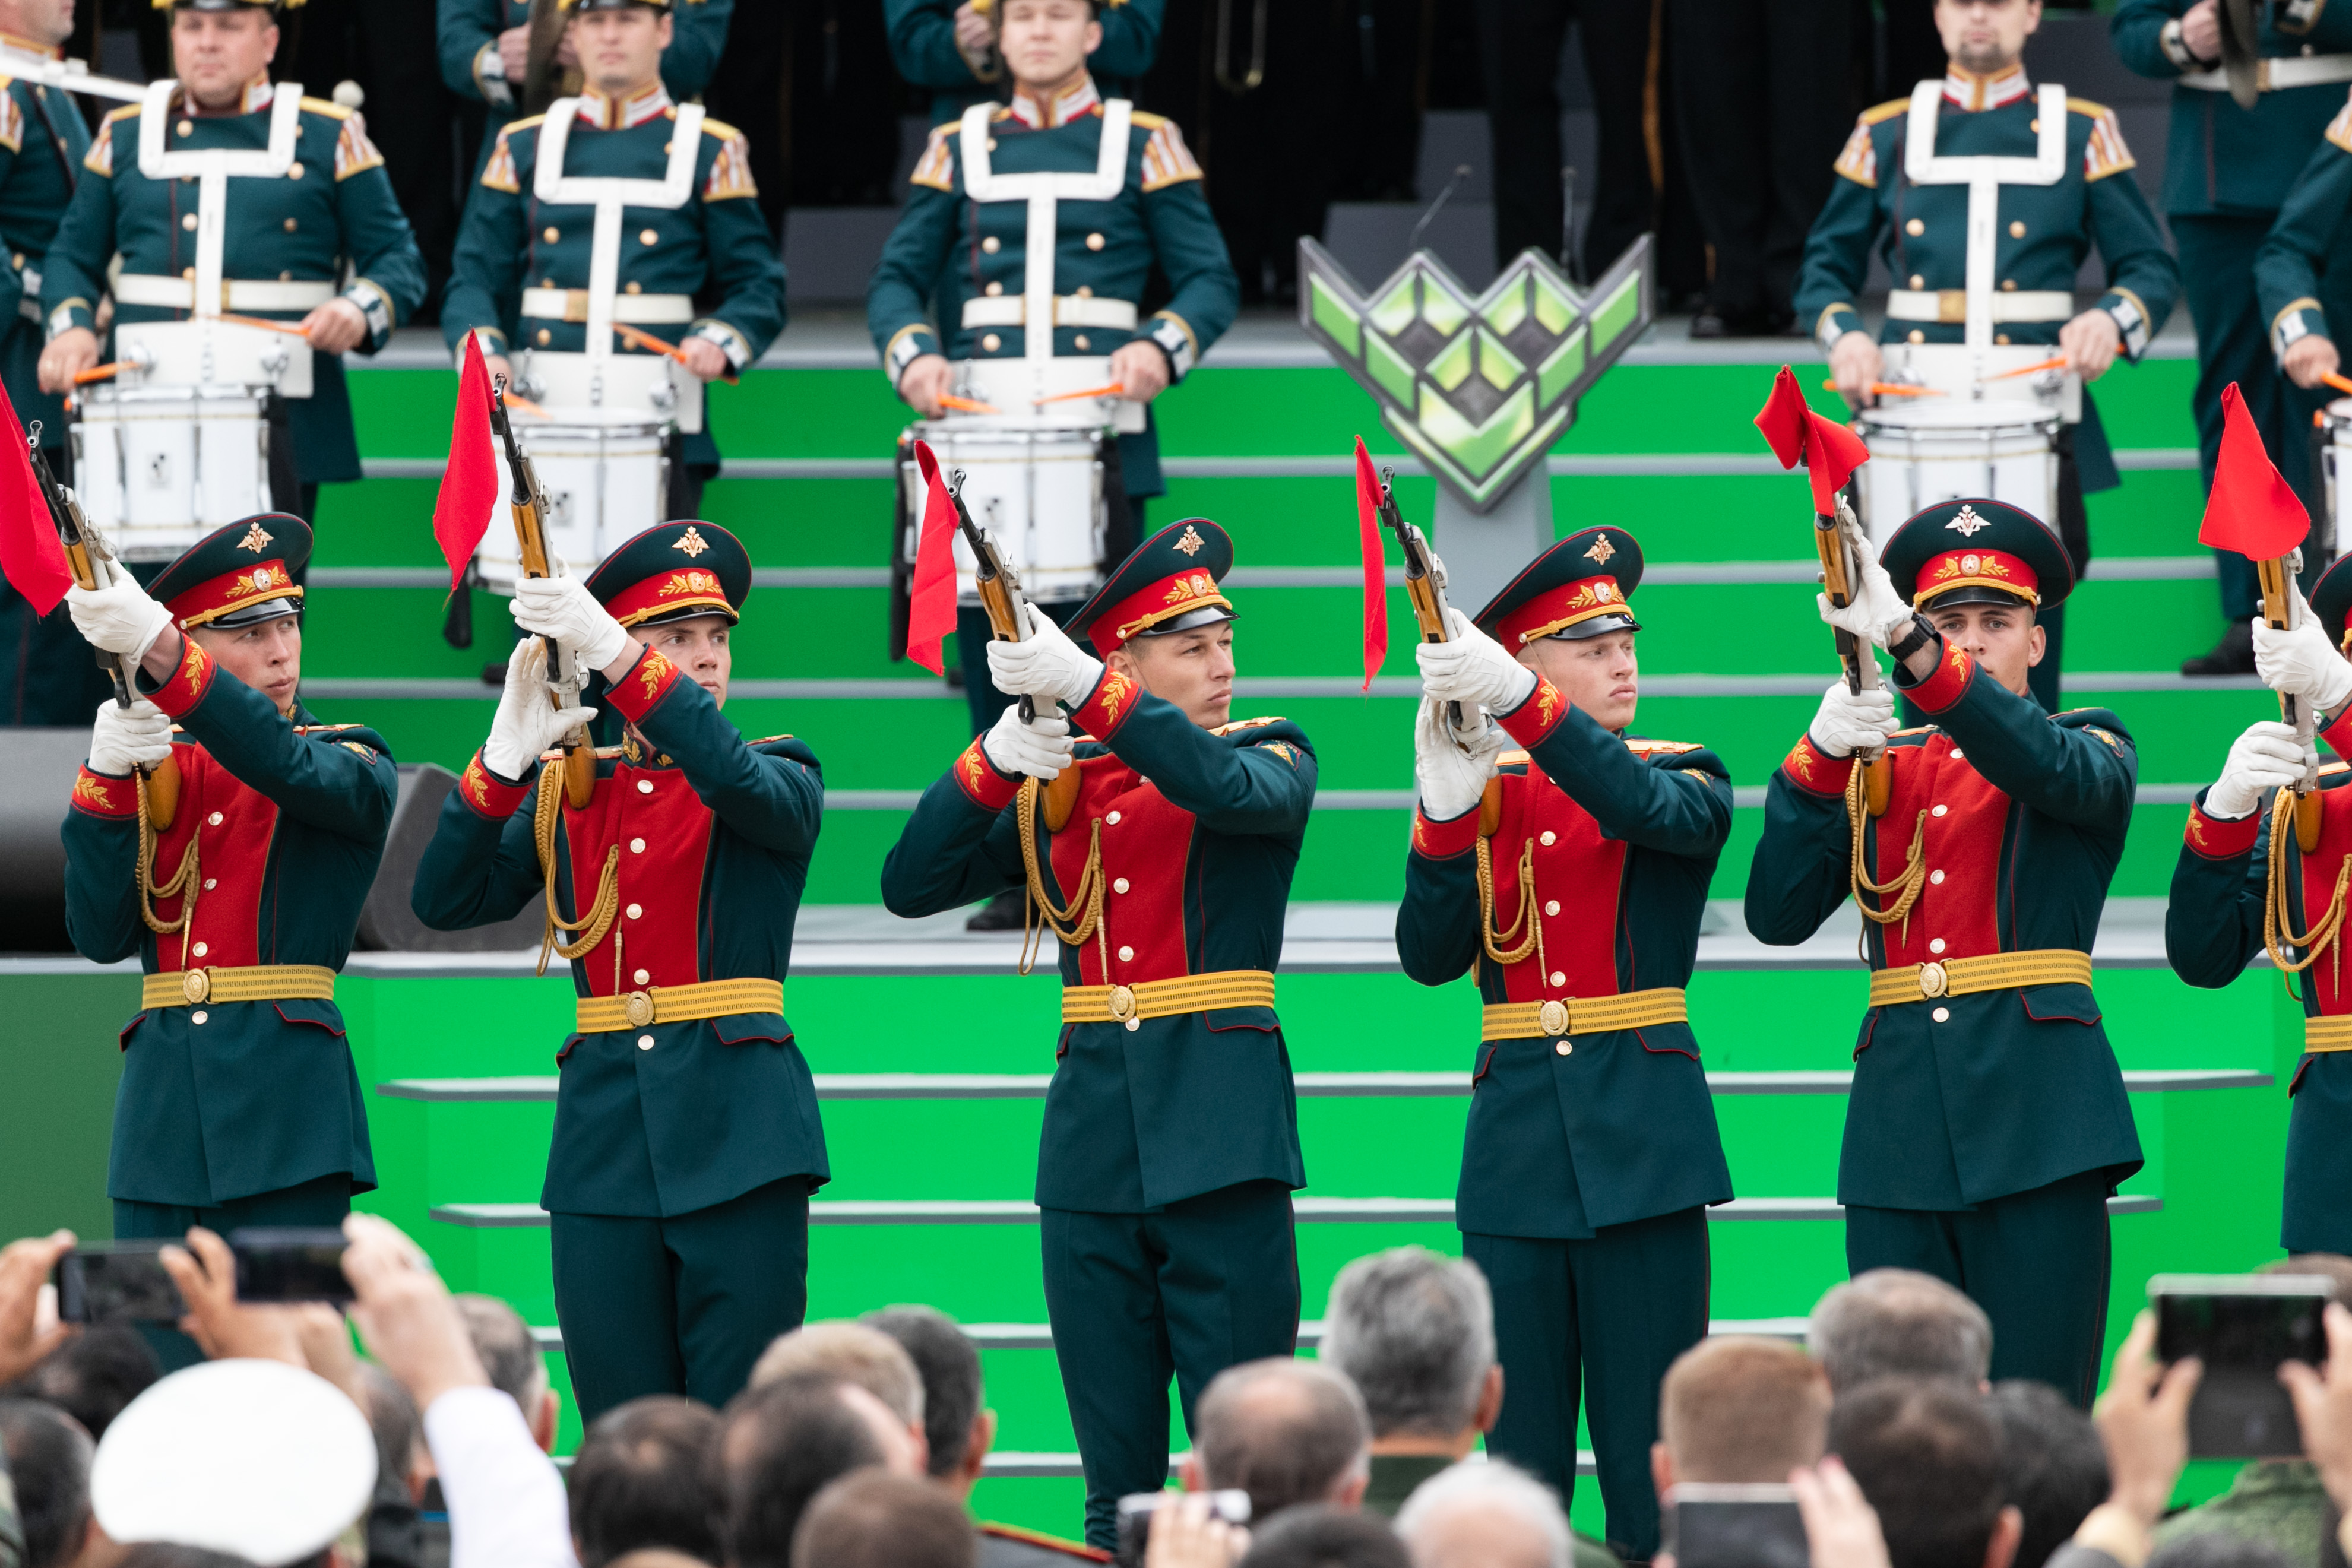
{"type": "Point", "coordinates": [198, 985]}
{"type": "Point", "coordinates": [1122, 1004]}
{"type": "Point", "coordinates": [1951, 306]}
{"type": "Point", "coordinates": [1552, 1018]}
{"type": "Point", "coordinates": [1933, 981]}
{"type": "Point", "coordinates": [576, 305]}
{"type": "Point", "coordinates": [638, 1008]}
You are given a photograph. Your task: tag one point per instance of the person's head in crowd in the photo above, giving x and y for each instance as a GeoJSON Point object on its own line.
{"type": "Point", "coordinates": [1317, 1535]}
{"type": "Point", "coordinates": [1284, 1431]}
{"type": "Point", "coordinates": [872, 1519]}
{"type": "Point", "coordinates": [49, 1459]}
{"type": "Point", "coordinates": [958, 1426]}
{"type": "Point", "coordinates": [641, 1478]}
{"type": "Point", "coordinates": [1986, 36]}
{"type": "Point", "coordinates": [164, 1554]}
{"type": "Point", "coordinates": [2217, 1549]}
{"type": "Point", "coordinates": [1415, 1331]}
{"type": "Point", "coordinates": [781, 1442]}
{"type": "Point", "coordinates": [92, 1375]}
{"type": "Point", "coordinates": [1045, 43]}
{"type": "Point", "coordinates": [851, 1353]}
{"type": "Point", "coordinates": [1900, 1322]}
{"type": "Point", "coordinates": [1739, 1408]}
{"type": "Point", "coordinates": [1489, 1515]}
{"type": "Point", "coordinates": [1927, 1453]}
{"type": "Point", "coordinates": [2053, 1468]}
{"type": "Point", "coordinates": [515, 1366]}
{"type": "Point", "coordinates": [2336, 1267]}
{"type": "Point", "coordinates": [399, 1432]}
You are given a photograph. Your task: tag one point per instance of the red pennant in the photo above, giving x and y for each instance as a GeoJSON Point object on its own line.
{"type": "Point", "coordinates": [1829, 451]}
{"type": "Point", "coordinates": [931, 608]}
{"type": "Point", "coordinates": [1376, 576]}
{"type": "Point", "coordinates": [31, 557]}
{"type": "Point", "coordinates": [469, 480]}
{"type": "Point", "coordinates": [2252, 510]}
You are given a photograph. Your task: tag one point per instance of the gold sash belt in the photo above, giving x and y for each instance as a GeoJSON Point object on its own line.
{"type": "Point", "coordinates": [1992, 972]}
{"type": "Point", "coordinates": [2324, 1034]}
{"type": "Point", "coordinates": [1166, 998]}
{"type": "Point", "coordinates": [251, 983]}
{"type": "Point", "coordinates": [1583, 1015]}
{"type": "Point", "coordinates": [679, 1004]}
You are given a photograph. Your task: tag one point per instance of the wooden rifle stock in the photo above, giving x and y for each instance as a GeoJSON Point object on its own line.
{"type": "Point", "coordinates": [529, 505]}
{"type": "Point", "coordinates": [1829, 543]}
{"type": "Point", "coordinates": [1424, 589]}
{"type": "Point", "coordinates": [1000, 597]}
{"type": "Point", "coordinates": [2278, 608]}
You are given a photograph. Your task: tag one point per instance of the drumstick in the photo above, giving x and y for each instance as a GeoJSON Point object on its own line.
{"type": "Point", "coordinates": [1113, 389]}
{"type": "Point", "coordinates": [2057, 364]}
{"type": "Point", "coordinates": [965, 405]}
{"type": "Point", "coordinates": [524, 406]}
{"type": "Point", "coordinates": [652, 344]}
{"type": "Point", "coordinates": [1890, 389]}
{"type": "Point", "coordinates": [2338, 382]}
{"type": "Point", "coordinates": [103, 372]}
{"type": "Point", "coordinates": [289, 328]}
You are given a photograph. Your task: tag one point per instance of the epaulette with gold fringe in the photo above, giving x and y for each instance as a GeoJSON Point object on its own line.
{"type": "Point", "coordinates": [125, 112]}
{"type": "Point", "coordinates": [327, 107]}
{"type": "Point", "coordinates": [1879, 113]}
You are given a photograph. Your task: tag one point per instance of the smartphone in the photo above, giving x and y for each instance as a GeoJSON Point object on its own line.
{"type": "Point", "coordinates": [2242, 1326]}
{"type": "Point", "coordinates": [1136, 1508]}
{"type": "Point", "coordinates": [1721, 1524]}
{"type": "Point", "coordinates": [293, 1265]}
{"type": "Point", "coordinates": [117, 1283]}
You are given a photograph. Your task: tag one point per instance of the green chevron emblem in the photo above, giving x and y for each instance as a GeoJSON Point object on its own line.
{"type": "Point", "coordinates": [1478, 386]}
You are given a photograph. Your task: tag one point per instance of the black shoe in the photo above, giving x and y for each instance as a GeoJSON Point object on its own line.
{"type": "Point", "coordinates": [2232, 655]}
{"type": "Point", "coordinates": [1708, 324]}
{"type": "Point", "coordinates": [496, 674]}
{"type": "Point", "coordinates": [1005, 911]}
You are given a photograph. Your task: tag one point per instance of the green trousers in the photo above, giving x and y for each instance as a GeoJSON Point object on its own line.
{"type": "Point", "coordinates": [321, 1201]}
{"type": "Point", "coordinates": [1203, 1285]}
{"type": "Point", "coordinates": [1605, 1317]}
{"type": "Point", "coordinates": [682, 1305]}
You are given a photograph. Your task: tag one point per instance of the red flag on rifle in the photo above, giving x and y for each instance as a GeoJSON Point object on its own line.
{"type": "Point", "coordinates": [2252, 510]}
{"type": "Point", "coordinates": [1376, 576]}
{"type": "Point", "coordinates": [932, 600]}
{"type": "Point", "coordinates": [469, 482]}
{"type": "Point", "coordinates": [1829, 451]}
{"type": "Point", "coordinates": [31, 557]}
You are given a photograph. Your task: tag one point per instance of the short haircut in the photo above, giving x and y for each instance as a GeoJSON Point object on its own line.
{"type": "Point", "coordinates": [779, 1445]}
{"type": "Point", "coordinates": [1316, 1535]}
{"type": "Point", "coordinates": [1739, 1409]}
{"type": "Point", "coordinates": [948, 1365]}
{"type": "Point", "coordinates": [1927, 1455]}
{"type": "Point", "coordinates": [2053, 1465]}
{"type": "Point", "coordinates": [510, 1356]}
{"type": "Point", "coordinates": [1415, 1331]}
{"type": "Point", "coordinates": [93, 1375]}
{"type": "Point", "coordinates": [164, 1554]}
{"type": "Point", "coordinates": [873, 1519]}
{"type": "Point", "coordinates": [1900, 1322]}
{"type": "Point", "coordinates": [1284, 1431]}
{"type": "Point", "coordinates": [847, 1353]}
{"type": "Point", "coordinates": [2217, 1549]}
{"type": "Point", "coordinates": [392, 1416]}
{"type": "Point", "coordinates": [49, 1455]}
{"type": "Point", "coordinates": [641, 1478]}
{"type": "Point", "coordinates": [2334, 1265]}
{"type": "Point", "coordinates": [1495, 1487]}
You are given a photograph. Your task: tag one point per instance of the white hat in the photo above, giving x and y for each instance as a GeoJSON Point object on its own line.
{"type": "Point", "coordinates": [255, 1457]}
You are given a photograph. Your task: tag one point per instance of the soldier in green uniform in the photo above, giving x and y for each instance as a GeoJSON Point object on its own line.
{"type": "Point", "coordinates": [687, 1138]}
{"type": "Point", "coordinates": [525, 270]}
{"type": "Point", "coordinates": [1988, 1123]}
{"type": "Point", "coordinates": [484, 51]}
{"type": "Point", "coordinates": [948, 47]}
{"type": "Point", "coordinates": [2023, 292]}
{"type": "Point", "coordinates": [284, 241]}
{"type": "Point", "coordinates": [1170, 1141]}
{"type": "Point", "coordinates": [2227, 171]}
{"type": "Point", "coordinates": [238, 1103]}
{"type": "Point", "coordinates": [1591, 1150]}
{"type": "Point", "coordinates": [2295, 285]}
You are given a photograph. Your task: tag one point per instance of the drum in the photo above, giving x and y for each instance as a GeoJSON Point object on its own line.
{"type": "Point", "coordinates": [1926, 450]}
{"type": "Point", "coordinates": [159, 467]}
{"type": "Point", "coordinates": [1039, 491]}
{"type": "Point", "coordinates": [209, 354]}
{"type": "Point", "coordinates": [2334, 467]}
{"type": "Point", "coordinates": [1995, 373]}
{"type": "Point", "coordinates": [1031, 394]}
{"type": "Point", "coordinates": [606, 482]}
{"type": "Point", "coordinates": [629, 387]}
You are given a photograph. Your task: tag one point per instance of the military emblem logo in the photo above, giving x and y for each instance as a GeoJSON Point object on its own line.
{"type": "Point", "coordinates": [1190, 542]}
{"type": "Point", "coordinates": [692, 543]}
{"type": "Point", "coordinates": [1601, 551]}
{"type": "Point", "coordinates": [257, 538]}
{"type": "Point", "coordinates": [1966, 523]}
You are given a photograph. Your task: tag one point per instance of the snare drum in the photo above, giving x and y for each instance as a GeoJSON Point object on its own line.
{"type": "Point", "coordinates": [158, 468]}
{"type": "Point", "coordinates": [605, 484]}
{"type": "Point", "coordinates": [1941, 449]}
{"type": "Point", "coordinates": [626, 386]}
{"type": "Point", "coordinates": [1039, 492]}
{"type": "Point", "coordinates": [209, 354]}
{"type": "Point", "coordinates": [2335, 467]}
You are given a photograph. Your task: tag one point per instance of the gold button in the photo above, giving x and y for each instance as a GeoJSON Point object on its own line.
{"type": "Point", "coordinates": [199, 1016]}
{"type": "Point", "coordinates": [991, 244]}
{"type": "Point", "coordinates": [1942, 1015]}
{"type": "Point", "coordinates": [994, 289]}
{"type": "Point", "coordinates": [644, 976]}
{"type": "Point", "coordinates": [1939, 810]}
{"type": "Point", "coordinates": [189, 273]}
{"type": "Point", "coordinates": [285, 277]}
{"type": "Point", "coordinates": [1937, 945]}
{"type": "Point", "coordinates": [991, 144]}
{"type": "Point", "coordinates": [1548, 838]}
{"type": "Point", "coordinates": [1558, 979]}
{"type": "Point", "coordinates": [2001, 338]}
{"type": "Point", "coordinates": [295, 172]}
{"type": "Point", "coordinates": [1552, 907]}
{"type": "Point", "coordinates": [545, 337]}
{"type": "Point", "coordinates": [1936, 877]}
{"type": "Point", "coordinates": [1079, 341]}
{"type": "Point", "coordinates": [1915, 227]}
{"type": "Point", "coordinates": [1125, 955]}
{"type": "Point", "coordinates": [1085, 292]}
{"type": "Point", "coordinates": [648, 236]}
{"type": "Point", "coordinates": [188, 222]}
{"type": "Point", "coordinates": [2035, 125]}
{"type": "Point", "coordinates": [992, 343]}
{"type": "Point", "coordinates": [1134, 1024]}
{"type": "Point", "coordinates": [203, 948]}
{"type": "Point", "coordinates": [1917, 281]}
{"type": "Point", "coordinates": [550, 234]}
{"type": "Point", "coordinates": [290, 226]}
{"type": "Point", "coordinates": [2016, 228]}
{"type": "Point", "coordinates": [215, 819]}
{"type": "Point", "coordinates": [197, 985]}
{"type": "Point", "coordinates": [1112, 819]}
{"type": "Point", "coordinates": [645, 786]}
{"type": "Point", "coordinates": [1564, 1048]}
{"type": "Point", "coordinates": [665, 147]}
{"type": "Point", "coordinates": [644, 1042]}
{"type": "Point", "coordinates": [1933, 981]}
{"type": "Point", "coordinates": [187, 127]}
{"type": "Point", "coordinates": [633, 289]}
{"type": "Point", "coordinates": [636, 910]}
{"type": "Point", "coordinates": [1552, 1019]}
{"type": "Point", "coordinates": [638, 1008]}
{"type": "Point", "coordinates": [1120, 886]}
{"type": "Point", "coordinates": [2009, 283]}
{"type": "Point", "coordinates": [1917, 335]}
{"type": "Point", "coordinates": [547, 283]}
{"type": "Point", "coordinates": [1094, 241]}
{"type": "Point", "coordinates": [636, 846]}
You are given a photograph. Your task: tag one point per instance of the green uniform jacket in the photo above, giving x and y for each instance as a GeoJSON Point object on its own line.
{"type": "Point", "coordinates": [2220, 159]}
{"type": "Point", "coordinates": [1199, 832]}
{"type": "Point", "coordinates": [1974, 1097]}
{"type": "Point", "coordinates": [922, 45]}
{"type": "Point", "coordinates": [713, 835]}
{"type": "Point", "coordinates": [2044, 233]}
{"type": "Point", "coordinates": [467, 36]}
{"type": "Point", "coordinates": [947, 249]}
{"type": "Point", "coordinates": [42, 140]}
{"type": "Point", "coordinates": [1624, 836]}
{"type": "Point", "coordinates": [335, 208]}
{"type": "Point", "coordinates": [2304, 238]}
{"type": "Point", "coordinates": [231, 1099]}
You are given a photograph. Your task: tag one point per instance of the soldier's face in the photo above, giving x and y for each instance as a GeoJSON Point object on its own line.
{"type": "Point", "coordinates": [43, 21]}
{"type": "Point", "coordinates": [2002, 637]}
{"type": "Point", "coordinates": [1194, 669]}
{"type": "Point", "coordinates": [1986, 35]}
{"type": "Point", "coordinates": [215, 53]}
{"type": "Point", "coordinates": [267, 657]}
{"type": "Point", "coordinates": [1601, 676]}
{"type": "Point", "coordinates": [1046, 42]}
{"type": "Point", "coordinates": [620, 50]}
{"type": "Point", "coordinates": [698, 647]}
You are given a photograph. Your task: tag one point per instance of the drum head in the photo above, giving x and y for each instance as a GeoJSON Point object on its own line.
{"type": "Point", "coordinates": [2340, 413]}
{"type": "Point", "coordinates": [1952, 413]}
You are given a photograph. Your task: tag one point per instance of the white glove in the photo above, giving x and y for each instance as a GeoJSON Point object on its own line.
{"type": "Point", "coordinates": [1046, 663]}
{"type": "Point", "coordinates": [1040, 748]}
{"type": "Point", "coordinates": [1472, 668]}
{"type": "Point", "coordinates": [119, 618]}
{"type": "Point", "coordinates": [563, 609]}
{"type": "Point", "coordinates": [1451, 781]}
{"type": "Point", "coordinates": [2263, 760]}
{"type": "Point", "coordinates": [527, 723]}
{"type": "Point", "coordinates": [2301, 661]}
{"type": "Point", "coordinates": [1877, 614]}
{"type": "Point", "coordinates": [1849, 721]}
{"type": "Point", "coordinates": [128, 737]}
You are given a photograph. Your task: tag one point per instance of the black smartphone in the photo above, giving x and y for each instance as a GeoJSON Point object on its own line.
{"type": "Point", "coordinates": [290, 1265]}
{"type": "Point", "coordinates": [1717, 1524]}
{"type": "Point", "coordinates": [2242, 1326]}
{"type": "Point", "coordinates": [1136, 1508]}
{"type": "Point", "coordinates": [117, 1283]}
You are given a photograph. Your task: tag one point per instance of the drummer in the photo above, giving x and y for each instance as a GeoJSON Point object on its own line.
{"type": "Point", "coordinates": [283, 251]}
{"type": "Point", "coordinates": [2022, 293]}
{"type": "Point", "coordinates": [486, 54]}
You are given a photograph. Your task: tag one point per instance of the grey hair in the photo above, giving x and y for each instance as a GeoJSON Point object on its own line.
{"type": "Point", "coordinates": [1414, 1329]}
{"type": "Point", "coordinates": [1900, 1322]}
{"type": "Point", "coordinates": [511, 1355]}
{"type": "Point", "coordinates": [1489, 1485]}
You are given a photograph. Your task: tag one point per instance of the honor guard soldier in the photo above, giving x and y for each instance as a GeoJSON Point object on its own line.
{"type": "Point", "coordinates": [238, 1105]}
{"type": "Point", "coordinates": [2259, 872]}
{"type": "Point", "coordinates": [1170, 1141]}
{"type": "Point", "coordinates": [222, 194]}
{"type": "Point", "coordinates": [608, 175]}
{"type": "Point", "coordinates": [1914, 179]}
{"type": "Point", "coordinates": [1988, 1123]}
{"type": "Point", "coordinates": [1578, 869]}
{"type": "Point", "coordinates": [486, 56]}
{"type": "Point", "coordinates": [949, 46]}
{"type": "Point", "coordinates": [687, 1139]}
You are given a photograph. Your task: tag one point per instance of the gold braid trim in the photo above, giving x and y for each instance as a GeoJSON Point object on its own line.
{"type": "Point", "coordinates": [184, 882]}
{"type": "Point", "coordinates": [1528, 923]}
{"type": "Point", "coordinates": [599, 918]}
{"type": "Point", "coordinates": [1909, 886]}
{"type": "Point", "coordinates": [2279, 935]}
{"type": "Point", "coordinates": [1084, 915]}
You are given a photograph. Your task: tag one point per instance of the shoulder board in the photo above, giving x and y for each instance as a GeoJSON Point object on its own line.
{"type": "Point", "coordinates": [1048, 1542]}
{"type": "Point", "coordinates": [1002, 112]}
{"type": "Point", "coordinates": [603, 753]}
{"type": "Point", "coordinates": [719, 129]}
{"type": "Point", "coordinates": [1915, 729]}
{"type": "Point", "coordinates": [1143, 121]}
{"type": "Point", "coordinates": [525, 123]}
{"type": "Point", "coordinates": [1242, 723]}
{"type": "Point", "coordinates": [125, 112]}
{"type": "Point", "coordinates": [1513, 759]}
{"type": "Point", "coordinates": [765, 739]}
{"type": "Point", "coordinates": [1661, 747]}
{"type": "Point", "coordinates": [2085, 107]}
{"type": "Point", "coordinates": [949, 128]}
{"type": "Point", "coordinates": [1879, 113]}
{"type": "Point", "coordinates": [2326, 769]}
{"type": "Point", "coordinates": [315, 728]}
{"type": "Point", "coordinates": [327, 107]}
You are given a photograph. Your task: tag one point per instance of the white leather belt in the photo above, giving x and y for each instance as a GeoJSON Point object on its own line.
{"type": "Point", "coordinates": [2278, 74]}
{"type": "Point", "coordinates": [637, 310]}
{"type": "Point", "coordinates": [1069, 310]}
{"type": "Point", "coordinates": [236, 293]}
{"type": "Point", "coordinates": [1951, 306]}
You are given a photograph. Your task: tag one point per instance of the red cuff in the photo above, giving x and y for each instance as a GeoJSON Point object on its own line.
{"type": "Point", "coordinates": [1537, 716]}
{"type": "Point", "coordinates": [487, 794]}
{"type": "Point", "coordinates": [2339, 735]}
{"type": "Point", "coordinates": [1108, 707]}
{"type": "Point", "coordinates": [1942, 689]}
{"type": "Point", "coordinates": [96, 795]}
{"type": "Point", "coordinates": [1443, 840]}
{"type": "Point", "coordinates": [978, 778]}
{"type": "Point", "coordinates": [2220, 841]}
{"type": "Point", "coordinates": [1815, 774]}
{"type": "Point", "coordinates": [188, 683]}
{"type": "Point", "coordinates": [640, 691]}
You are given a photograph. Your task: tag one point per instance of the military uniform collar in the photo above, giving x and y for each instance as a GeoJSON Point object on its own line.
{"type": "Point", "coordinates": [27, 47]}
{"type": "Point", "coordinates": [603, 113]}
{"type": "Point", "coordinates": [257, 96]}
{"type": "Point", "coordinates": [1078, 102]}
{"type": "Point", "coordinates": [1966, 89]}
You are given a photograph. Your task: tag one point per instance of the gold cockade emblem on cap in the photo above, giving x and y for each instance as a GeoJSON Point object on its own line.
{"type": "Point", "coordinates": [1601, 551]}
{"type": "Point", "coordinates": [1966, 523]}
{"type": "Point", "coordinates": [1192, 542]}
{"type": "Point", "coordinates": [255, 539]}
{"type": "Point", "coordinates": [691, 542]}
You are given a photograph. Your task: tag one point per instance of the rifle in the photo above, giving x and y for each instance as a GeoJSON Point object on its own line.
{"type": "Point", "coordinates": [1001, 596]}
{"type": "Point", "coordinates": [93, 566]}
{"type": "Point", "coordinates": [1833, 541]}
{"type": "Point", "coordinates": [565, 678]}
{"type": "Point", "coordinates": [2277, 575]}
{"type": "Point", "coordinates": [1424, 588]}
